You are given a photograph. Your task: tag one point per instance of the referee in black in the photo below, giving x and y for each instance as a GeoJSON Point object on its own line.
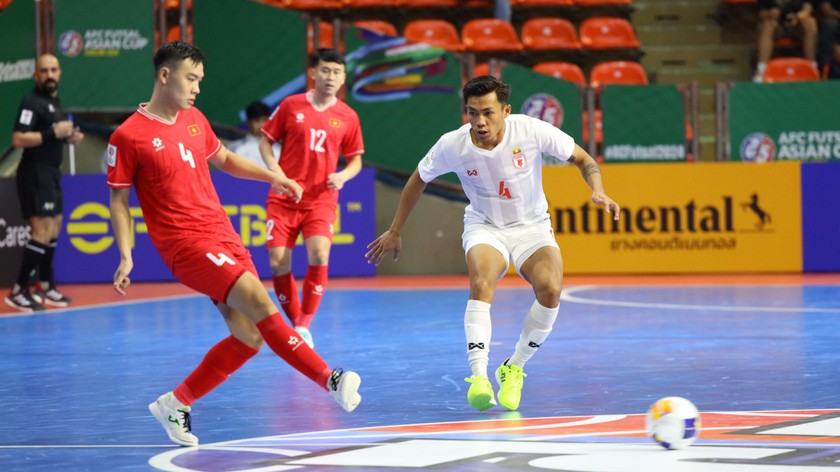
{"type": "Point", "coordinates": [42, 130]}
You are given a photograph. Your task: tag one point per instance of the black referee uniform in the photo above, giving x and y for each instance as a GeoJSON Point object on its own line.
{"type": "Point", "coordinates": [39, 172]}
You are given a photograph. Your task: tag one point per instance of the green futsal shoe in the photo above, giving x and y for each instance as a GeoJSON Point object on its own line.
{"type": "Point", "coordinates": [510, 379]}
{"type": "Point", "coordinates": [480, 394]}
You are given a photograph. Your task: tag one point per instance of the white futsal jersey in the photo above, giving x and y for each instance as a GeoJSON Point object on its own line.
{"type": "Point", "coordinates": [504, 185]}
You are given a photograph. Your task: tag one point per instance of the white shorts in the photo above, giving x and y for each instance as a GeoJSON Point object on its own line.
{"type": "Point", "coordinates": [515, 244]}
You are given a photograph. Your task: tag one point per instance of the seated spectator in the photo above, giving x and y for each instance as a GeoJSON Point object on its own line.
{"type": "Point", "coordinates": [784, 18]}
{"type": "Point", "coordinates": [829, 30]}
{"type": "Point", "coordinates": [256, 114]}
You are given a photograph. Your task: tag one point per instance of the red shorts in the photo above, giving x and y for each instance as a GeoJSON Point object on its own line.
{"type": "Point", "coordinates": [212, 267]}
{"type": "Point", "coordinates": [285, 223]}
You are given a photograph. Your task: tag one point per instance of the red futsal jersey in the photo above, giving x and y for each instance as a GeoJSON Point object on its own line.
{"type": "Point", "coordinates": [167, 164]}
{"type": "Point", "coordinates": [312, 142]}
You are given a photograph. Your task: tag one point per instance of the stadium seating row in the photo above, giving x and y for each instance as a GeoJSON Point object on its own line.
{"type": "Point", "coordinates": [337, 4]}
{"type": "Point", "coordinates": [492, 34]}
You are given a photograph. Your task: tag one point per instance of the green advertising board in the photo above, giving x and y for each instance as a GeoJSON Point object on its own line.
{"type": "Point", "coordinates": [406, 95]}
{"type": "Point", "coordinates": [105, 50]}
{"type": "Point", "coordinates": [254, 52]}
{"type": "Point", "coordinates": [555, 101]}
{"type": "Point", "coordinates": [785, 121]}
{"type": "Point", "coordinates": [17, 63]}
{"type": "Point", "coordinates": [643, 123]}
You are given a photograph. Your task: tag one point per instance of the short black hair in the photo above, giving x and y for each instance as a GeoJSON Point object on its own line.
{"type": "Point", "coordinates": [484, 84]}
{"type": "Point", "coordinates": [326, 55]}
{"type": "Point", "coordinates": [177, 51]}
{"type": "Point", "coordinates": [257, 109]}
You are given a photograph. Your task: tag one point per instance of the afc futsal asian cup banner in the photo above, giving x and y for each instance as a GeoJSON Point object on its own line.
{"type": "Point", "coordinates": [785, 121]}
{"type": "Point", "coordinates": [105, 50]}
{"type": "Point", "coordinates": [678, 218]}
{"type": "Point", "coordinates": [88, 252]}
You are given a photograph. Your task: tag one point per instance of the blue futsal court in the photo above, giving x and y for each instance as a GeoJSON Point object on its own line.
{"type": "Point", "coordinates": [760, 361]}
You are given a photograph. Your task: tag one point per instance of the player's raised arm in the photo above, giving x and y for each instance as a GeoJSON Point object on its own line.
{"type": "Point", "coordinates": [238, 166]}
{"type": "Point", "coordinates": [121, 222]}
{"type": "Point", "coordinates": [591, 173]}
{"type": "Point", "coordinates": [391, 240]}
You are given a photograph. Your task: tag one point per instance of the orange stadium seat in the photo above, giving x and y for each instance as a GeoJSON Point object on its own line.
{"type": "Point", "coordinates": [608, 33]}
{"type": "Point", "coordinates": [617, 72]}
{"type": "Point", "coordinates": [549, 33]}
{"type": "Point", "coordinates": [551, 3]}
{"type": "Point", "coordinates": [176, 4]}
{"type": "Point", "coordinates": [174, 33]}
{"type": "Point", "coordinates": [489, 34]}
{"type": "Point", "coordinates": [562, 70]}
{"type": "Point", "coordinates": [370, 3]}
{"type": "Point", "coordinates": [325, 36]}
{"type": "Point", "coordinates": [428, 3]}
{"type": "Point", "coordinates": [307, 4]}
{"type": "Point", "coordinates": [377, 26]}
{"type": "Point", "coordinates": [790, 69]}
{"type": "Point", "coordinates": [597, 3]}
{"type": "Point", "coordinates": [437, 33]}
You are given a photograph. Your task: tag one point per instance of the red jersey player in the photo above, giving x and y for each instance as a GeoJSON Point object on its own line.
{"type": "Point", "coordinates": [314, 127]}
{"type": "Point", "coordinates": [163, 150]}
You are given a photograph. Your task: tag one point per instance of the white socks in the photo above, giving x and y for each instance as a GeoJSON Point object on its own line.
{"type": "Point", "coordinates": [535, 330]}
{"type": "Point", "coordinates": [478, 330]}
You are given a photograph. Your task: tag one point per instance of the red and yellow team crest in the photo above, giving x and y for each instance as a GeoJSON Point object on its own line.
{"type": "Point", "coordinates": [335, 122]}
{"type": "Point", "coordinates": [194, 130]}
{"type": "Point", "coordinates": [519, 160]}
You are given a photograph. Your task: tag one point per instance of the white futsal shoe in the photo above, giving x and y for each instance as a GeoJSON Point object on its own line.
{"type": "Point", "coordinates": [175, 421]}
{"type": "Point", "coordinates": [344, 388]}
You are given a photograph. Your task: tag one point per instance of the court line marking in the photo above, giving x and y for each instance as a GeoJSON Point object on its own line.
{"type": "Point", "coordinates": [568, 296]}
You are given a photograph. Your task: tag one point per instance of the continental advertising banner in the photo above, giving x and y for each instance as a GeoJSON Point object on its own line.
{"type": "Point", "coordinates": [17, 63]}
{"type": "Point", "coordinates": [87, 251]}
{"type": "Point", "coordinates": [106, 50]}
{"type": "Point", "coordinates": [643, 123]}
{"type": "Point", "coordinates": [678, 218]}
{"type": "Point", "coordinates": [786, 121]}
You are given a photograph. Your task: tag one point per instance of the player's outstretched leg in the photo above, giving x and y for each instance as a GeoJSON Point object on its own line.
{"type": "Point", "coordinates": [175, 419]}
{"type": "Point", "coordinates": [511, 379]}
{"type": "Point", "coordinates": [344, 388]}
{"type": "Point", "coordinates": [480, 394]}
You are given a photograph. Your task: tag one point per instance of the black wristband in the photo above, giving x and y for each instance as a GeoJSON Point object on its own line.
{"type": "Point", "coordinates": [48, 135]}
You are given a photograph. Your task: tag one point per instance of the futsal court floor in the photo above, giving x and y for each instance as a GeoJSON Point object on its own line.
{"type": "Point", "coordinates": [758, 354]}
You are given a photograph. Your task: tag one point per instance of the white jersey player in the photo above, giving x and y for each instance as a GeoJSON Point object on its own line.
{"type": "Point", "coordinates": [503, 184]}
{"type": "Point", "coordinates": [498, 157]}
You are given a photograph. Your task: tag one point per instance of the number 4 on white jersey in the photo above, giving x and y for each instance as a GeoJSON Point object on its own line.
{"type": "Point", "coordinates": [220, 259]}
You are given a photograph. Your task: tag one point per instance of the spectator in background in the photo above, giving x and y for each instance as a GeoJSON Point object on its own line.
{"type": "Point", "coordinates": [42, 130]}
{"type": "Point", "coordinates": [256, 114]}
{"type": "Point", "coordinates": [780, 18]}
{"type": "Point", "coordinates": [829, 33]}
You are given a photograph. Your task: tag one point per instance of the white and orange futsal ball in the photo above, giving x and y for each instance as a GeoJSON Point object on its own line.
{"type": "Point", "coordinates": [673, 422]}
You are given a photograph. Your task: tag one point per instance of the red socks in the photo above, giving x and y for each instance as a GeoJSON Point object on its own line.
{"type": "Point", "coordinates": [278, 335]}
{"type": "Point", "coordinates": [221, 360]}
{"type": "Point", "coordinates": [314, 285]}
{"type": "Point", "coordinates": [286, 290]}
